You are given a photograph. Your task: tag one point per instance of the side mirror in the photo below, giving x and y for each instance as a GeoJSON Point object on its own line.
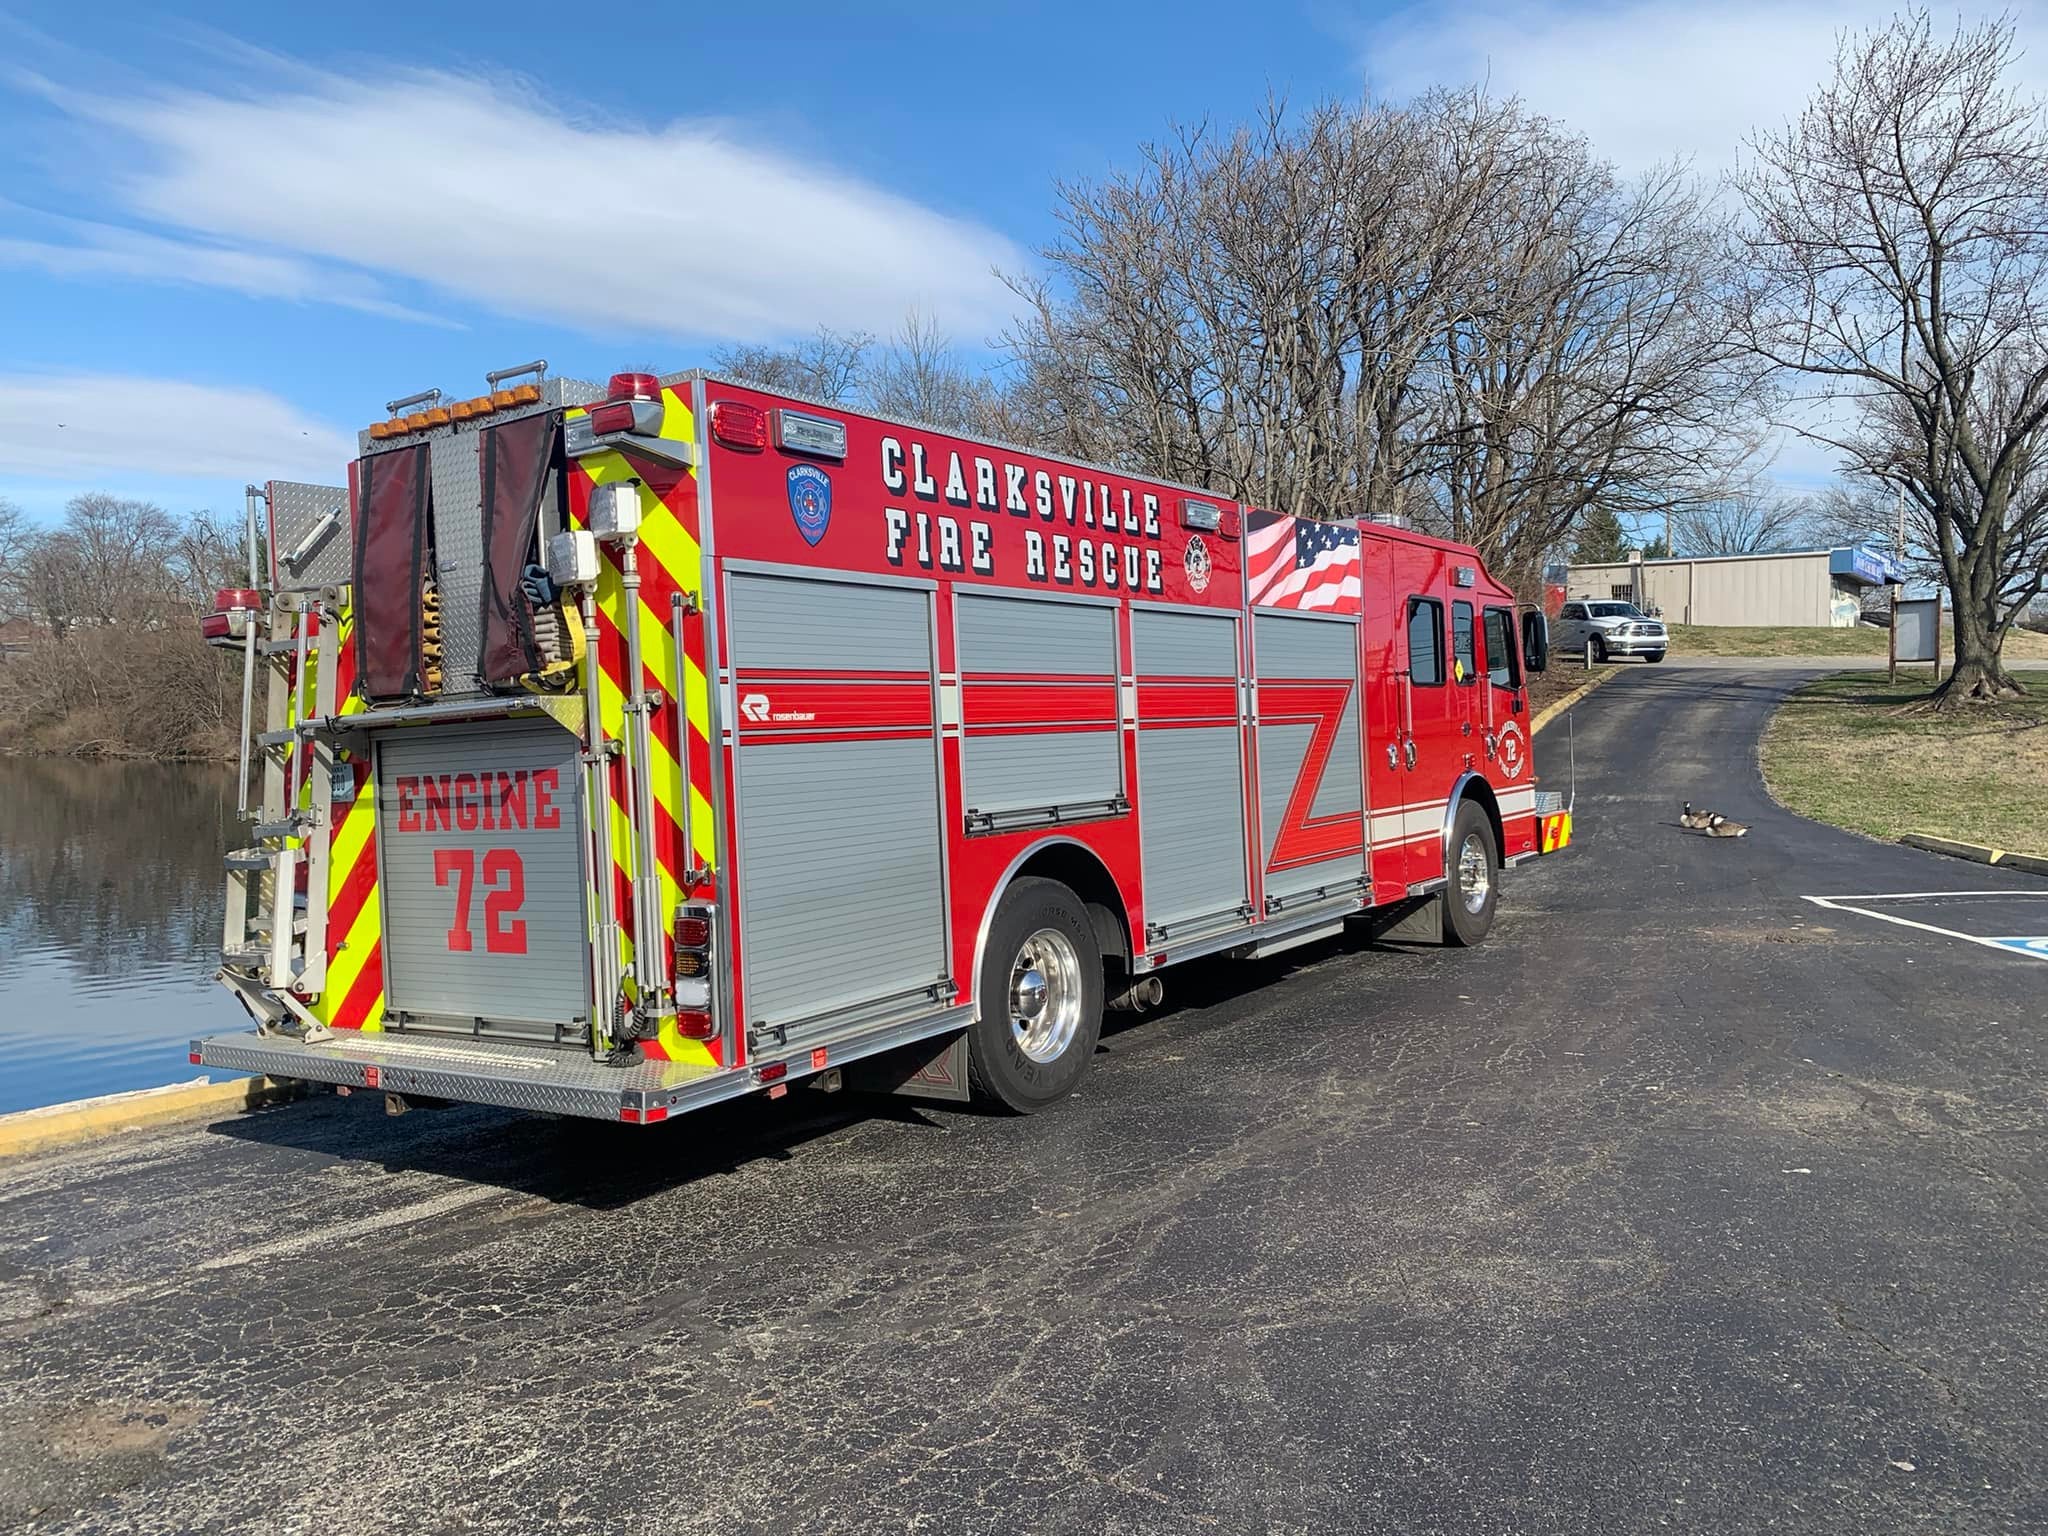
{"type": "Point", "coordinates": [1535, 640]}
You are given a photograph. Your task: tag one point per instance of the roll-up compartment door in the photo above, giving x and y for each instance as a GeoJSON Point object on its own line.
{"type": "Point", "coordinates": [1039, 739]}
{"type": "Point", "coordinates": [1191, 805]}
{"type": "Point", "coordinates": [839, 862]}
{"type": "Point", "coordinates": [481, 847]}
{"type": "Point", "coordinates": [1311, 796]}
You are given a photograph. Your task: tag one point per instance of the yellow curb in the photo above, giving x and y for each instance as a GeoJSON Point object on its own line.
{"type": "Point", "coordinates": [63, 1125]}
{"type": "Point", "coordinates": [1977, 853]}
{"type": "Point", "coordinates": [1550, 712]}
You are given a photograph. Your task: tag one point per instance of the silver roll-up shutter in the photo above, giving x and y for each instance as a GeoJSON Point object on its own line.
{"type": "Point", "coordinates": [1038, 708]}
{"type": "Point", "coordinates": [1190, 771]}
{"type": "Point", "coordinates": [839, 862]}
{"type": "Point", "coordinates": [480, 847]}
{"type": "Point", "coordinates": [1308, 730]}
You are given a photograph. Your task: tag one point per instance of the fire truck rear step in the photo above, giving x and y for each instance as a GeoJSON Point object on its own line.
{"type": "Point", "coordinates": [539, 1079]}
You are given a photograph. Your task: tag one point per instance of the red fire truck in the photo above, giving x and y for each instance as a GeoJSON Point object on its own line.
{"type": "Point", "coordinates": [633, 747]}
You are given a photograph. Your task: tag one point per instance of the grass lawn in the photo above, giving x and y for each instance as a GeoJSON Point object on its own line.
{"type": "Point", "coordinates": [1713, 640]}
{"type": "Point", "coordinates": [1840, 752]}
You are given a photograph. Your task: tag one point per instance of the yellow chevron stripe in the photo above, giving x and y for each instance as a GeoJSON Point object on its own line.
{"type": "Point", "coordinates": [347, 966]}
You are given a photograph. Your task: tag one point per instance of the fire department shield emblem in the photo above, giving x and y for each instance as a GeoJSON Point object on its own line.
{"type": "Point", "coordinates": [1195, 561]}
{"type": "Point", "coordinates": [810, 501]}
{"type": "Point", "coordinates": [1511, 751]}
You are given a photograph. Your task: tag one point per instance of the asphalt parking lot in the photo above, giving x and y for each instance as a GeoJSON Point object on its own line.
{"type": "Point", "coordinates": [1688, 1202]}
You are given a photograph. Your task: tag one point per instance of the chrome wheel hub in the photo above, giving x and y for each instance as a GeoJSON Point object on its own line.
{"type": "Point", "coordinates": [1045, 995]}
{"type": "Point", "coordinates": [1475, 880]}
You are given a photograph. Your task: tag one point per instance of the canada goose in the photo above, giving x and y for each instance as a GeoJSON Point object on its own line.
{"type": "Point", "coordinates": [1697, 820]}
{"type": "Point", "coordinates": [1721, 826]}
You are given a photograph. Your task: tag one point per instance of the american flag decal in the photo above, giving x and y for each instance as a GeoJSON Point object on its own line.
{"type": "Point", "coordinates": [1291, 562]}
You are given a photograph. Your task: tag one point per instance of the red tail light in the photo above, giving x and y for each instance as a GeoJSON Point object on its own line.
{"type": "Point", "coordinates": [615, 417]}
{"type": "Point", "coordinates": [695, 1026]}
{"type": "Point", "coordinates": [739, 426]}
{"type": "Point", "coordinates": [693, 932]}
{"type": "Point", "coordinates": [633, 386]}
{"type": "Point", "coordinates": [772, 1072]}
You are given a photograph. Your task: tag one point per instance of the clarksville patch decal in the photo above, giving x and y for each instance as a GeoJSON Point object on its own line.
{"type": "Point", "coordinates": [810, 501]}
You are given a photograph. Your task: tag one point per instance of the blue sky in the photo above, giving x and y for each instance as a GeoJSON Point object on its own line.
{"type": "Point", "coordinates": [226, 239]}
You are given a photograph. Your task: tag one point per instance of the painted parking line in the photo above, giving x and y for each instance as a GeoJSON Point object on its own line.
{"type": "Point", "coordinates": [2032, 946]}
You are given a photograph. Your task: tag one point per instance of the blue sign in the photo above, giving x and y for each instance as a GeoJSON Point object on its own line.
{"type": "Point", "coordinates": [1862, 563]}
{"type": "Point", "coordinates": [810, 501]}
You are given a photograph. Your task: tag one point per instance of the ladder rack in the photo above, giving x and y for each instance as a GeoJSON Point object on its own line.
{"type": "Point", "coordinates": [274, 937]}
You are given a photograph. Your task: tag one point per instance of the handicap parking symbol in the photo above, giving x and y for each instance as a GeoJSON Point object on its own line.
{"type": "Point", "coordinates": [2035, 947]}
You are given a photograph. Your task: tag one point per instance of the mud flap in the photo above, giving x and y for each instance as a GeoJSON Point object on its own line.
{"type": "Point", "coordinates": [1417, 921]}
{"type": "Point", "coordinates": [929, 1069]}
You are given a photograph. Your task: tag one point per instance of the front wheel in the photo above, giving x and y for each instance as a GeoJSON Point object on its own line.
{"type": "Point", "coordinates": [1041, 999]}
{"type": "Point", "coordinates": [1473, 895]}
{"type": "Point", "coordinates": [1653, 657]}
{"type": "Point", "coordinates": [1599, 650]}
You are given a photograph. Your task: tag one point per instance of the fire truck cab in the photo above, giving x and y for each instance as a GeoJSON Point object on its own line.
{"type": "Point", "coordinates": [631, 747]}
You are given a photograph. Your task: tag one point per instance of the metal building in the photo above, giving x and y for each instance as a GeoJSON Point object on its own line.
{"type": "Point", "coordinates": [1809, 588]}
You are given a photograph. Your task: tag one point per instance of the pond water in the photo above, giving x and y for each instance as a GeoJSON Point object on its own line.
{"type": "Point", "coordinates": [110, 914]}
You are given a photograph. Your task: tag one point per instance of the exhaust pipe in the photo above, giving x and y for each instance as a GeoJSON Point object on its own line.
{"type": "Point", "coordinates": [1146, 992]}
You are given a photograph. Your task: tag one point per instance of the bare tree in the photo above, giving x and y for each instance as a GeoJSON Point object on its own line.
{"type": "Point", "coordinates": [1591, 361]}
{"type": "Point", "coordinates": [14, 546]}
{"type": "Point", "coordinates": [1900, 252]}
{"type": "Point", "coordinates": [826, 366]}
{"type": "Point", "coordinates": [1446, 309]}
{"type": "Point", "coordinates": [1751, 518]}
{"type": "Point", "coordinates": [921, 377]}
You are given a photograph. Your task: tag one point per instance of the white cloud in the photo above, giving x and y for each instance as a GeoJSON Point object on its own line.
{"type": "Point", "coordinates": [84, 427]}
{"type": "Point", "coordinates": [482, 192]}
{"type": "Point", "coordinates": [105, 250]}
{"type": "Point", "coordinates": [1644, 80]}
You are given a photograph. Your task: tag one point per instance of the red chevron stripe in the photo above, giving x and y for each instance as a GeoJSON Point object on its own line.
{"type": "Point", "coordinates": [354, 1011]}
{"type": "Point", "coordinates": [347, 904]}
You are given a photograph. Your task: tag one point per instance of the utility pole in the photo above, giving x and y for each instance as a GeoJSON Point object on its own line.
{"type": "Point", "coordinates": [1899, 586]}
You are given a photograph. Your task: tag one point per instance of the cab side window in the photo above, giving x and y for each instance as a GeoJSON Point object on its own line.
{"type": "Point", "coordinates": [1503, 665]}
{"type": "Point", "coordinates": [1425, 642]}
{"type": "Point", "coordinates": [1572, 611]}
{"type": "Point", "coordinates": [1464, 653]}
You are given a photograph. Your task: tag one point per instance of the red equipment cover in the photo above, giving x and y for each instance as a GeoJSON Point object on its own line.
{"type": "Point", "coordinates": [517, 459]}
{"type": "Point", "coordinates": [391, 553]}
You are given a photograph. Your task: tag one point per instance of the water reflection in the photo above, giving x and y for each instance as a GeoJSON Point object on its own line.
{"type": "Point", "coordinates": [110, 900]}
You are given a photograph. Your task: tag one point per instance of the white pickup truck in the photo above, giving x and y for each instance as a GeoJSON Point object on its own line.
{"type": "Point", "coordinates": [1615, 628]}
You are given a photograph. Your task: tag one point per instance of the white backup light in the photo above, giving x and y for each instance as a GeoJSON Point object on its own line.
{"type": "Point", "coordinates": [572, 559]}
{"type": "Point", "coordinates": [615, 509]}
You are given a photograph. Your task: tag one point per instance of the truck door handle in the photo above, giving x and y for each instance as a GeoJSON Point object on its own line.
{"type": "Point", "coordinates": [1411, 751]}
{"type": "Point", "coordinates": [1393, 756]}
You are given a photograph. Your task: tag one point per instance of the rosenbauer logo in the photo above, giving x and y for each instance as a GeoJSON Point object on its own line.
{"type": "Point", "coordinates": [756, 708]}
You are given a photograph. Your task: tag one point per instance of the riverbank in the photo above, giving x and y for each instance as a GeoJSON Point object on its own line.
{"type": "Point", "coordinates": [1847, 752]}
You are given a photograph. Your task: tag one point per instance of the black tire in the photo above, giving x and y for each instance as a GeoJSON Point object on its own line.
{"type": "Point", "coordinates": [1464, 926]}
{"type": "Point", "coordinates": [1599, 650]}
{"type": "Point", "coordinates": [1002, 1066]}
{"type": "Point", "coordinates": [1653, 657]}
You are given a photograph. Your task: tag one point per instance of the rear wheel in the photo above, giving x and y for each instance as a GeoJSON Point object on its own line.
{"type": "Point", "coordinates": [1473, 894]}
{"type": "Point", "coordinates": [1041, 999]}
